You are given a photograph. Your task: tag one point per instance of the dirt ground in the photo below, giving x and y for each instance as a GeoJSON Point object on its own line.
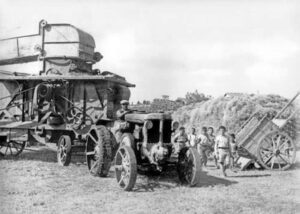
{"type": "Point", "coordinates": [34, 183]}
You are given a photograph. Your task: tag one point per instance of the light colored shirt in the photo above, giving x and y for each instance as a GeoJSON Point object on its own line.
{"type": "Point", "coordinates": [121, 114]}
{"type": "Point", "coordinates": [181, 138]}
{"type": "Point", "coordinates": [203, 140]}
{"type": "Point", "coordinates": [193, 140]}
{"type": "Point", "coordinates": [222, 141]}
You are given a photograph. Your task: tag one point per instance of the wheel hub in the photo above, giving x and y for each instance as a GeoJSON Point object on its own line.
{"type": "Point", "coordinates": [64, 150]}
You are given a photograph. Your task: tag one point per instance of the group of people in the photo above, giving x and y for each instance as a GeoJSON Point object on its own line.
{"type": "Point", "coordinates": [222, 147]}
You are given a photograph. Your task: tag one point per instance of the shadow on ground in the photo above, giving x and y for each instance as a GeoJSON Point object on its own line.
{"type": "Point", "coordinates": [151, 186]}
{"type": "Point", "coordinates": [209, 180]}
{"type": "Point", "coordinates": [150, 181]}
{"type": "Point", "coordinates": [169, 179]}
{"type": "Point", "coordinates": [250, 176]}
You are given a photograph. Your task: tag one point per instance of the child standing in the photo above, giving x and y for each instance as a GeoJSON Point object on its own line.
{"type": "Point", "coordinates": [203, 146]}
{"type": "Point", "coordinates": [222, 148]}
{"type": "Point", "coordinates": [234, 150]}
{"type": "Point", "coordinates": [193, 139]}
{"type": "Point", "coordinates": [212, 139]}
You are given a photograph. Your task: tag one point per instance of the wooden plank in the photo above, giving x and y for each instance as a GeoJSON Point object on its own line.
{"type": "Point", "coordinates": [248, 128]}
{"type": "Point", "coordinates": [32, 125]}
{"type": "Point", "coordinates": [20, 125]}
{"type": "Point", "coordinates": [70, 78]}
{"type": "Point", "coordinates": [16, 60]}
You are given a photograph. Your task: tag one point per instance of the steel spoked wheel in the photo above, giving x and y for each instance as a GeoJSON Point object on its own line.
{"type": "Point", "coordinates": [189, 166]}
{"type": "Point", "coordinates": [126, 168]}
{"type": "Point", "coordinates": [277, 151]}
{"type": "Point", "coordinates": [64, 148]}
{"type": "Point", "coordinates": [99, 152]}
{"type": "Point", "coordinates": [12, 148]}
{"type": "Point", "coordinates": [127, 140]}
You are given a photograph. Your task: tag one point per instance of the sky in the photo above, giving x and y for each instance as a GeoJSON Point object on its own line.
{"type": "Point", "coordinates": [172, 47]}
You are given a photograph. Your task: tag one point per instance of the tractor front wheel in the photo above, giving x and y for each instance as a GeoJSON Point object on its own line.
{"type": "Point", "coordinates": [189, 166]}
{"type": "Point", "coordinates": [126, 168]}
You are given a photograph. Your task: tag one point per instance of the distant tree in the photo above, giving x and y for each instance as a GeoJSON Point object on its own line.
{"type": "Point", "coordinates": [195, 97]}
{"type": "Point", "coordinates": [166, 97]}
{"type": "Point", "coordinates": [146, 102]}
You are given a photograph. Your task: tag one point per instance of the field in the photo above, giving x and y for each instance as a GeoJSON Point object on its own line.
{"type": "Point", "coordinates": [34, 183]}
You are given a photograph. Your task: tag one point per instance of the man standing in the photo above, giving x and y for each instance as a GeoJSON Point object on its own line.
{"type": "Point", "coordinates": [222, 148]}
{"type": "Point", "coordinates": [193, 139]}
{"type": "Point", "coordinates": [212, 138]}
{"type": "Point", "coordinates": [204, 145]}
{"type": "Point", "coordinates": [180, 140]}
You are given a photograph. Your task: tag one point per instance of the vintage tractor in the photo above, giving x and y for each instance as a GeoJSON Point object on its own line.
{"type": "Point", "coordinates": [50, 93]}
{"type": "Point", "coordinates": [145, 141]}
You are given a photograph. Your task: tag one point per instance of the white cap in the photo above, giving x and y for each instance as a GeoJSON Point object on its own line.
{"type": "Point", "coordinates": [124, 102]}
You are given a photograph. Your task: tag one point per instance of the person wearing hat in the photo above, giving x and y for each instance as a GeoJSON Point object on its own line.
{"type": "Point", "coordinates": [124, 110]}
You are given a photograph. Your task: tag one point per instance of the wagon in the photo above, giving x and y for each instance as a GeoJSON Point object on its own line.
{"type": "Point", "coordinates": [267, 141]}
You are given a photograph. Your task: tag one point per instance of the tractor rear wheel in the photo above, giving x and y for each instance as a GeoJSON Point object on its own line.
{"type": "Point", "coordinates": [99, 151]}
